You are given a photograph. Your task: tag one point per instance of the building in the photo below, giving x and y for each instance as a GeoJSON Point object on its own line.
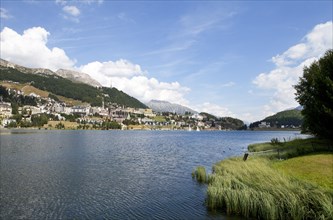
{"type": "Point", "coordinates": [5, 110]}
{"type": "Point", "coordinates": [81, 110]}
{"type": "Point", "coordinates": [149, 113]}
{"type": "Point", "coordinates": [264, 124]}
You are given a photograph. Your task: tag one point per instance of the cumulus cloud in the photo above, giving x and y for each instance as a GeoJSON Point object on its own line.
{"type": "Point", "coordinates": [71, 10]}
{"type": "Point", "coordinates": [30, 49]}
{"type": "Point", "coordinates": [289, 67]}
{"type": "Point", "coordinates": [131, 79]}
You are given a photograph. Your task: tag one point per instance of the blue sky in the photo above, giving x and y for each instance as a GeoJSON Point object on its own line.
{"type": "Point", "coordinates": [228, 58]}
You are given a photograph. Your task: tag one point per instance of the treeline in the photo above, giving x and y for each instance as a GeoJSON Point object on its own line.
{"type": "Point", "coordinates": [64, 87]}
{"type": "Point", "coordinates": [16, 100]}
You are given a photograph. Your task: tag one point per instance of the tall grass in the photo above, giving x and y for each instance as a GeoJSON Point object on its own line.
{"type": "Point", "coordinates": [254, 189]}
{"type": "Point", "coordinates": [200, 174]}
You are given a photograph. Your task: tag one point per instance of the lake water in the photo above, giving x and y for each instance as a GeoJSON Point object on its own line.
{"type": "Point", "coordinates": [113, 174]}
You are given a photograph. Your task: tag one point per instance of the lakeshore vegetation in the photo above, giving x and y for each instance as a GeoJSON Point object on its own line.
{"type": "Point", "coordinates": [265, 187]}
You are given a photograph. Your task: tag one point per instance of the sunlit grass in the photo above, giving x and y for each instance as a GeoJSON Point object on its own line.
{"type": "Point", "coordinates": [256, 189]}
{"type": "Point", "coordinates": [27, 89]}
{"type": "Point", "coordinates": [317, 169]}
{"type": "Point", "coordinates": [67, 124]}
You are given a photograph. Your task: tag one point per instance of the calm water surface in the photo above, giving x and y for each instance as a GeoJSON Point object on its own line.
{"type": "Point", "coordinates": [112, 174]}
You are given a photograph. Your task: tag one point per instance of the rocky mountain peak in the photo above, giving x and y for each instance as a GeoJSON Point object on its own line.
{"type": "Point", "coordinates": [78, 77]}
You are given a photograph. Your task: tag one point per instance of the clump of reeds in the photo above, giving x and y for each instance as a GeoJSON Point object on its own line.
{"type": "Point", "coordinates": [200, 174]}
{"type": "Point", "coordinates": [254, 189]}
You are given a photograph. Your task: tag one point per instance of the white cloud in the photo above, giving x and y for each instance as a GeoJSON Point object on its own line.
{"type": "Point", "coordinates": [228, 84]}
{"type": "Point", "coordinates": [61, 2]}
{"type": "Point", "coordinates": [71, 10]}
{"type": "Point", "coordinates": [289, 67]}
{"type": "Point", "coordinates": [4, 14]}
{"type": "Point", "coordinates": [119, 68]}
{"type": "Point", "coordinates": [131, 79]}
{"type": "Point", "coordinates": [92, 1]}
{"type": "Point", "coordinates": [204, 19]}
{"type": "Point", "coordinates": [313, 44]}
{"type": "Point", "coordinates": [30, 49]}
{"type": "Point", "coordinates": [88, 2]}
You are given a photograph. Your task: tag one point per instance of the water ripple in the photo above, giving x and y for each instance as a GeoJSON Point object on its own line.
{"type": "Point", "coordinates": [112, 174]}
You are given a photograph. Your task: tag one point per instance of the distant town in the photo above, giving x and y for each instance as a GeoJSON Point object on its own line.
{"type": "Point", "coordinates": [48, 113]}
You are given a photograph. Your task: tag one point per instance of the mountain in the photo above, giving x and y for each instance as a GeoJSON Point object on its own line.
{"type": "Point", "coordinates": [78, 77]}
{"type": "Point", "coordinates": [74, 76]}
{"type": "Point", "coordinates": [38, 71]}
{"type": "Point", "coordinates": [164, 106]}
{"type": "Point", "coordinates": [287, 118]}
{"type": "Point", "coordinates": [60, 86]}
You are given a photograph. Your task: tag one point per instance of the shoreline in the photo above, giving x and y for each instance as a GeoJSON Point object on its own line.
{"type": "Point", "coordinates": [143, 129]}
{"type": "Point", "coordinates": [242, 187]}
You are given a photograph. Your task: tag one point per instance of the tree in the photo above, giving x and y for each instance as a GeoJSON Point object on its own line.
{"type": "Point", "coordinates": [315, 93]}
{"type": "Point", "coordinates": [39, 120]}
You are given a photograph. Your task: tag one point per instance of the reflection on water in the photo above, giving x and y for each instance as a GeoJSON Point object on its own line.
{"type": "Point", "coordinates": [112, 174]}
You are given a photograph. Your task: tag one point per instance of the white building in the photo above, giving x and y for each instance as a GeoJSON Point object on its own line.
{"type": "Point", "coordinates": [5, 109]}
{"type": "Point", "coordinates": [264, 124]}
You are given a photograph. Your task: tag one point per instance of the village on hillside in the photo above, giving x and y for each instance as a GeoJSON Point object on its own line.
{"type": "Point", "coordinates": [48, 113]}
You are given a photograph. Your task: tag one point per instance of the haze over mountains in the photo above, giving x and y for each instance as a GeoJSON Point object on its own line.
{"type": "Point", "coordinates": [164, 106]}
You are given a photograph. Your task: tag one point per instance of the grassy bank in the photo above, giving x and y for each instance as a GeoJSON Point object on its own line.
{"type": "Point", "coordinates": [288, 149]}
{"type": "Point", "coordinates": [266, 188]}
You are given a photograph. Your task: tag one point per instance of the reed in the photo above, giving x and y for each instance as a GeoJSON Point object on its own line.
{"type": "Point", "coordinates": [254, 189]}
{"type": "Point", "coordinates": [200, 174]}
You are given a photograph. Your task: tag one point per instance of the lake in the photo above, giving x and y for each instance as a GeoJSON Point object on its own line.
{"type": "Point", "coordinates": [113, 174]}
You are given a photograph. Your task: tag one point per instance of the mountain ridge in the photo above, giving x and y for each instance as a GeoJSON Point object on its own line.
{"type": "Point", "coordinates": [165, 106]}
{"type": "Point", "coordinates": [74, 76]}
{"type": "Point", "coordinates": [58, 85]}
{"type": "Point", "coordinates": [78, 77]}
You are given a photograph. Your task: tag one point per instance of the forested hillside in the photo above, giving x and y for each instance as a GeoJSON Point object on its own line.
{"type": "Point", "coordinates": [64, 87]}
{"type": "Point", "coordinates": [287, 118]}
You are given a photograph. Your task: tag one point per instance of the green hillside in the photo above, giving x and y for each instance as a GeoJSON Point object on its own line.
{"type": "Point", "coordinates": [232, 123]}
{"type": "Point", "coordinates": [66, 88]}
{"type": "Point", "coordinates": [287, 118]}
{"type": "Point", "coordinates": [224, 122]}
